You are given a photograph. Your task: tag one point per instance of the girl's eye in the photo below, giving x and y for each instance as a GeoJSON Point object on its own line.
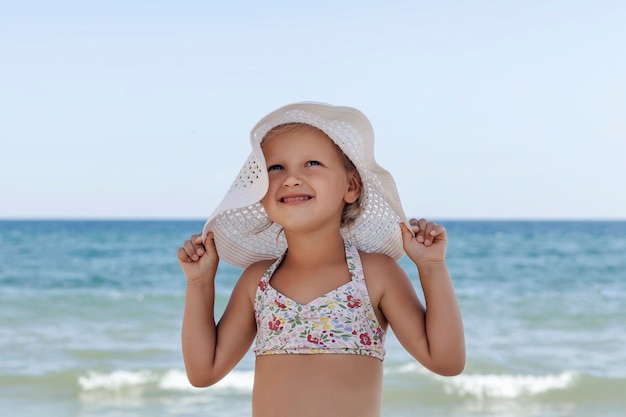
{"type": "Point", "coordinates": [313, 163]}
{"type": "Point", "coordinates": [275, 167]}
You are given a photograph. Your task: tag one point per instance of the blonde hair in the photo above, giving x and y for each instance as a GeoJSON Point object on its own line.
{"type": "Point", "coordinates": [351, 211]}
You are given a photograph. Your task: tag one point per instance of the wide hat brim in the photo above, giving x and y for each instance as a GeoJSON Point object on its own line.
{"type": "Point", "coordinates": [244, 234]}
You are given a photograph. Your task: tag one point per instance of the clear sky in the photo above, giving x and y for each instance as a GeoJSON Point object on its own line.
{"type": "Point", "coordinates": [482, 109]}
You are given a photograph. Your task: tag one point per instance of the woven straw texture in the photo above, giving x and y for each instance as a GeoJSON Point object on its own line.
{"type": "Point", "coordinates": [244, 234]}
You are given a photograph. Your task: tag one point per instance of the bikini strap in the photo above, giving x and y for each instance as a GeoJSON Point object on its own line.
{"type": "Point", "coordinates": [353, 259]}
{"type": "Point", "coordinates": [358, 277]}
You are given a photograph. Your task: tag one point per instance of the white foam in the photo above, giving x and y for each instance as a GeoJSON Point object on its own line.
{"type": "Point", "coordinates": [176, 380]}
{"type": "Point", "coordinates": [407, 368]}
{"type": "Point", "coordinates": [115, 380]}
{"type": "Point", "coordinates": [171, 380]}
{"type": "Point", "coordinates": [506, 386]}
{"type": "Point", "coordinates": [236, 381]}
{"type": "Point", "coordinates": [480, 386]}
{"type": "Point", "coordinates": [483, 386]}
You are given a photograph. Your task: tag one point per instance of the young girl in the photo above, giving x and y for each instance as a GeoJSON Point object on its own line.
{"type": "Point", "coordinates": [317, 226]}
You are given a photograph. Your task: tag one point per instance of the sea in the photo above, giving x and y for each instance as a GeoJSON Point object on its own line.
{"type": "Point", "coordinates": [90, 321]}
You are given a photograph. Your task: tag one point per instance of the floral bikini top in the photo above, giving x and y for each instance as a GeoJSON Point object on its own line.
{"type": "Point", "coordinates": [340, 322]}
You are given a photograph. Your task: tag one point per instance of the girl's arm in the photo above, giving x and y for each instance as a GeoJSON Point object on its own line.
{"type": "Point", "coordinates": [433, 335]}
{"type": "Point", "coordinates": [210, 351]}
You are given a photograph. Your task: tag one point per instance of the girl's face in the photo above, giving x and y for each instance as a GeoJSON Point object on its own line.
{"type": "Point", "coordinates": [308, 182]}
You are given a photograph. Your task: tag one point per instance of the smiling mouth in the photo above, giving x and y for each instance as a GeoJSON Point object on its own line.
{"type": "Point", "coordinates": [295, 199]}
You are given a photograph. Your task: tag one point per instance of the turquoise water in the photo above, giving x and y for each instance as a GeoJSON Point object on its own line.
{"type": "Point", "coordinates": [90, 317]}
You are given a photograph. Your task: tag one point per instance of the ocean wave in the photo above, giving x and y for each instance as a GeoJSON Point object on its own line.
{"type": "Point", "coordinates": [478, 386]}
{"type": "Point", "coordinates": [496, 386]}
{"type": "Point", "coordinates": [507, 386]}
{"type": "Point", "coordinates": [240, 381]}
{"type": "Point", "coordinates": [116, 380]}
{"type": "Point", "coordinates": [169, 380]}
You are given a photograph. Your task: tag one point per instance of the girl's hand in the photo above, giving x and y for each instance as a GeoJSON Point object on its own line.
{"type": "Point", "coordinates": [425, 242]}
{"type": "Point", "coordinates": [198, 260]}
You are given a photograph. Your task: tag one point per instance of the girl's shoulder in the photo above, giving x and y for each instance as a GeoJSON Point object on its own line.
{"type": "Point", "coordinates": [376, 262]}
{"type": "Point", "coordinates": [249, 280]}
{"type": "Point", "coordinates": [255, 272]}
{"type": "Point", "coordinates": [258, 268]}
{"type": "Point", "coordinates": [380, 270]}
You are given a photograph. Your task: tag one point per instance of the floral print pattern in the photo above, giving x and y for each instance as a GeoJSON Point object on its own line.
{"type": "Point", "coordinates": [342, 321]}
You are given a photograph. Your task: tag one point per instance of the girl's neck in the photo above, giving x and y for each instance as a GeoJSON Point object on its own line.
{"type": "Point", "coordinates": [310, 251]}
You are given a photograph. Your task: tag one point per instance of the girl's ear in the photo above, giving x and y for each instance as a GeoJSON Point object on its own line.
{"type": "Point", "coordinates": [355, 185]}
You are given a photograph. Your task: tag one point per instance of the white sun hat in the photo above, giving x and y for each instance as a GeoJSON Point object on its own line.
{"type": "Point", "coordinates": [242, 230]}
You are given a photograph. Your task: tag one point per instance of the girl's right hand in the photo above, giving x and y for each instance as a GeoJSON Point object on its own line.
{"type": "Point", "coordinates": [198, 260]}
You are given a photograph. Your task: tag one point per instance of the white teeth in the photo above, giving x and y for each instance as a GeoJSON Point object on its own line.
{"type": "Point", "coordinates": [291, 199]}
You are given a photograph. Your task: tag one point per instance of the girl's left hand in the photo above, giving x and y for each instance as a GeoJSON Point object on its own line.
{"type": "Point", "coordinates": [426, 243]}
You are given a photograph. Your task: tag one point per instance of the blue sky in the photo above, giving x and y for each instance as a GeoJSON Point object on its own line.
{"type": "Point", "coordinates": [482, 109]}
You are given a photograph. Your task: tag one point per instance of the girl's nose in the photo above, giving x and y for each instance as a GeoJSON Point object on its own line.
{"type": "Point", "coordinates": [291, 180]}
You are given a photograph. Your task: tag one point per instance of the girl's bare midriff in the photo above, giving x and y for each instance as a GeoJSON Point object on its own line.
{"type": "Point", "coordinates": [317, 385]}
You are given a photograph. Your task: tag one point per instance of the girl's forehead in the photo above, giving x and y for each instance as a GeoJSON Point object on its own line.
{"type": "Point", "coordinates": [302, 136]}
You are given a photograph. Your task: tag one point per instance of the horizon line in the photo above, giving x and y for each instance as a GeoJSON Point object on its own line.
{"type": "Point", "coordinates": [199, 219]}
